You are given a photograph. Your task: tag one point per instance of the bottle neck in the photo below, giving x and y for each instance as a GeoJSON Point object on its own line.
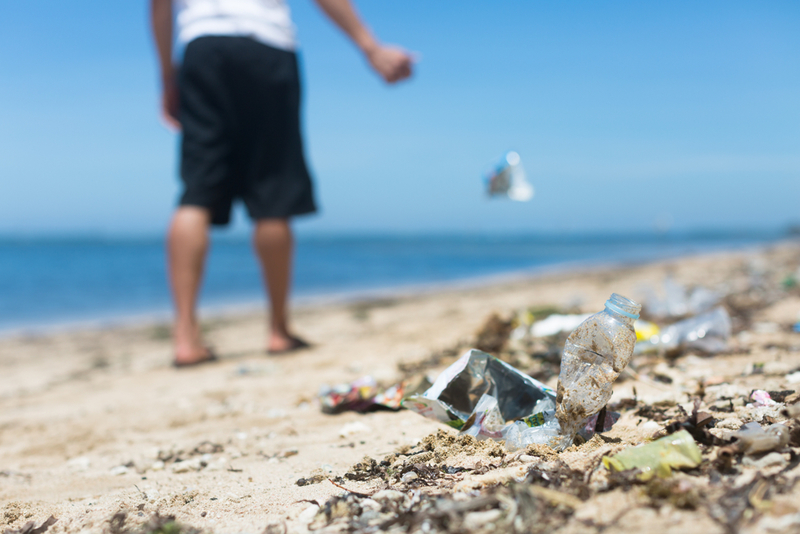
{"type": "Point", "coordinates": [623, 309]}
{"type": "Point", "coordinates": [625, 318]}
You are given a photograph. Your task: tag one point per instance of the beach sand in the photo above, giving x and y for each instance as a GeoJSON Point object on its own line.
{"type": "Point", "coordinates": [92, 420]}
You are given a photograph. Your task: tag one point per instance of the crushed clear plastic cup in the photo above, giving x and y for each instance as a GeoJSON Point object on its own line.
{"type": "Point", "coordinates": [708, 332]}
{"type": "Point", "coordinates": [677, 301]}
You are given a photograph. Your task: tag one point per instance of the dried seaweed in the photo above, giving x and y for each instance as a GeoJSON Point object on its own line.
{"type": "Point", "coordinates": [364, 470]}
{"type": "Point", "coordinates": [31, 528]}
{"type": "Point", "coordinates": [697, 424]}
{"type": "Point", "coordinates": [514, 508]}
{"type": "Point", "coordinates": [313, 479]}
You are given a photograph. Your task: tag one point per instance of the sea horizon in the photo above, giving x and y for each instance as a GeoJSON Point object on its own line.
{"type": "Point", "coordinates": [114, 280]}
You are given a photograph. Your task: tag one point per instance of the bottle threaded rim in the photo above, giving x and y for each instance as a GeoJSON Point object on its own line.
{"type": "Point", "coordinates": [624, 306]}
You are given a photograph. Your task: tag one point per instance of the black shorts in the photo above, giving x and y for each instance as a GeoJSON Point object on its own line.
{"type": "Point", "coordinates": [240, 116]}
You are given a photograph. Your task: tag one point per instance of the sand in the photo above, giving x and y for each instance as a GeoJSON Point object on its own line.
{"type": "Point", "coordinates": [93, 420]}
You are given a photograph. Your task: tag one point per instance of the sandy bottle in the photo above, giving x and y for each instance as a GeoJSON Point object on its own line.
{"type": "Point", "coordinates": [595, 354]}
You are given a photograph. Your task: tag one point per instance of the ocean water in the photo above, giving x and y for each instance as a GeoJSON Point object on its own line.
{"type": "Point", "coordinates": [56, 281]}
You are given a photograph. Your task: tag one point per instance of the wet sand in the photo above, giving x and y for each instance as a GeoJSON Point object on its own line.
{"type": "Point", "coordinates": [92, 421]}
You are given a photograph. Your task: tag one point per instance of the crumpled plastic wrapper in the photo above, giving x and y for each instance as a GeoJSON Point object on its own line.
{"type": "Point", "coordinates": [658, 458]}
{"type": "Point", "coordinates": [487, 398]}
{"type": "Point", "coordinates": [456, 393]}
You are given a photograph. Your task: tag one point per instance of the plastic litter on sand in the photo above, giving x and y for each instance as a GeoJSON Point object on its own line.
{"type": "Point", "coordinates": [594, 356]}
{"type": "Point", "coordinates": [487, 398]}
{"type": "Point", "coordinates": [659, 457]}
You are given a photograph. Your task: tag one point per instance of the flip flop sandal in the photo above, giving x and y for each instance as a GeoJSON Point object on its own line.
{"type": "Point", "coordinates": [297, 344]}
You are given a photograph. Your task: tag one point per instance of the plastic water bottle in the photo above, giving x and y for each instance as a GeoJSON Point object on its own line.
{"type": "Point", "coordinates": [595, 354]}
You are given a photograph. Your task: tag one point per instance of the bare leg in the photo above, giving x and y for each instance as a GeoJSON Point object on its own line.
{"type": "Point", "coordinates": [273, 243]}
{"type": "Point", "coordinates": [187, 244]}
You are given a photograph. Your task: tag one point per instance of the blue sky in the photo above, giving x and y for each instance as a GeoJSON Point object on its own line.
{"type": "Point", "coordinates": [624, 113]}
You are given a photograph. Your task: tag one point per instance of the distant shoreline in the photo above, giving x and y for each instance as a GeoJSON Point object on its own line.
{"type": "Point", "coordinates": [242, 307]}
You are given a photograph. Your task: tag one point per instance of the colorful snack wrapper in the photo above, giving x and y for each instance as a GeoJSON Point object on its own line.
{"type": "Point", "coordinates": [363, 395]}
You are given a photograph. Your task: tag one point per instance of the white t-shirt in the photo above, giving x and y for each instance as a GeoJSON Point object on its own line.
{"type": "Point", "coordinates": [267, 21]}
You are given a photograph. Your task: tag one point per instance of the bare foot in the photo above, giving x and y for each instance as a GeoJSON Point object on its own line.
{"type": "Point", "coordinates": [189, 347]}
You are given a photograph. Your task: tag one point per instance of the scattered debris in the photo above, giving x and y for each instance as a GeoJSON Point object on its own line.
{"type": "Point", "coordinates": [364, 395]}
{"type": "Point", "coordinates": [208, 447]}
{"type": "Point", "coordinates": [752, 439]}
{"type": "Point", "coordinates": [516, 508]}
{"type": "Point", "coordinates": [557, 323]}
{"type": "Point", "coordinates": [676, 302]}
{"type": "Point", "coordinates": [659, 457]}
{"type": "Point", "coordinates": [736, 448]}
{"type": "Point", "coordinates": [707, 332]}
{"type": "Point", "coordinates": [761, 398]}
{"type": "Point", "coordinates": [31, 528]}
{"type": "Point", "coordinates": [697, 424]}
{"type": "Point", "coordinates": [357, 396]}
{"type": "Point", "coordinates": [195, 464]}
{"type": "Point", "coordinates": [314, 479]}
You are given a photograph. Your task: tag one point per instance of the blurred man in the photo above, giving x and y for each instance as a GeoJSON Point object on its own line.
{"type": "Point", "coordinates": [236, 97]}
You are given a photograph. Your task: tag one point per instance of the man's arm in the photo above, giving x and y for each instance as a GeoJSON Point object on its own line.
{"type": "Point", "coordinates": [391, 63]}
{"type": "Point", "coordinates": [161, 20]}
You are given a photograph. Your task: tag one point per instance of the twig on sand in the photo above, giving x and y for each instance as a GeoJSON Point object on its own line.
{"type": "Point", "coordinates": [357, 493]}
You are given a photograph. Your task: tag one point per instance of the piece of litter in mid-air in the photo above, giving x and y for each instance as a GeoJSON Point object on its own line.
{"type": "Point", "coordinates": [508, 179]}
{"type": "Point", "coordinates": [659, 457]}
